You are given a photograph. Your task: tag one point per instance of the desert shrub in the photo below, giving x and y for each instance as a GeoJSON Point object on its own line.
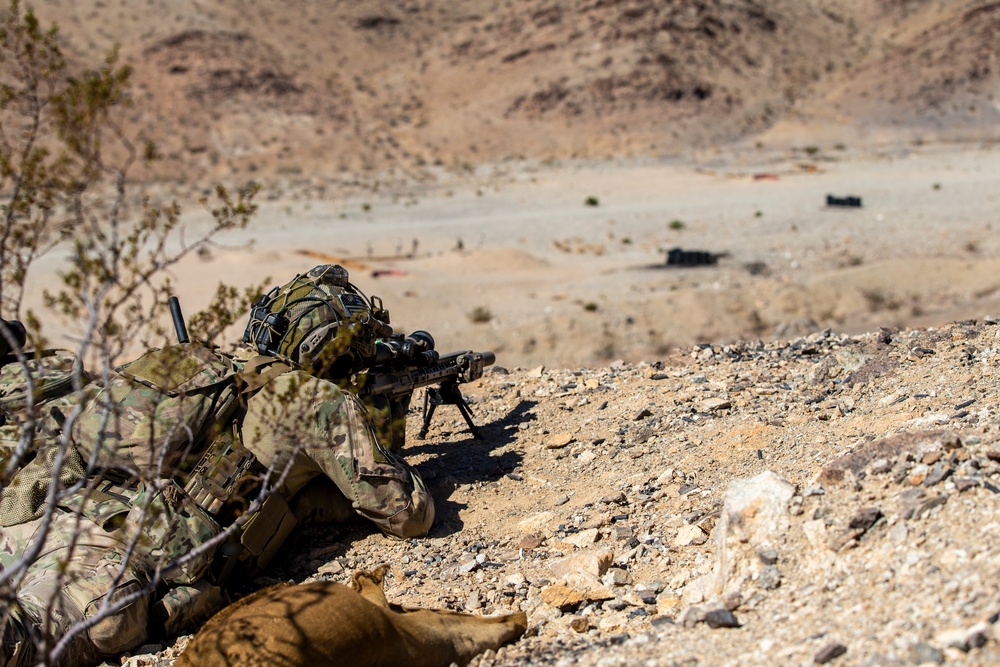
{"type": "Point", "coordinates": [65, 162]}
{"type": "Point", "coordinates": [591, 201]}
{"type": "Point", "coordinates": [481, 315]}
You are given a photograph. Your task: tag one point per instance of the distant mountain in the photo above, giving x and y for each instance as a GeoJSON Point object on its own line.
{"type": "Point", "coordinates": [302, 88]}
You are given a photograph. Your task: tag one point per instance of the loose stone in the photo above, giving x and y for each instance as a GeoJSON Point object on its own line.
{"type": "Point", "coordinates": [721, 618]}
{"type": "Point", "coordinates": [829, 652]}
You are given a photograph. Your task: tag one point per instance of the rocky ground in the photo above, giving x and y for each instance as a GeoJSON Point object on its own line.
{"type": "Point", "coordinates": [827, 499]}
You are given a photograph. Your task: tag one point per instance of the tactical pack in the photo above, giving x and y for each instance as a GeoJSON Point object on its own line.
{"type": "Point", "coordinates": [156, 411]}
{"type": "Point", "coordinates": [46, 375]}
{"type": "Point", "coordinates": [47, 379]}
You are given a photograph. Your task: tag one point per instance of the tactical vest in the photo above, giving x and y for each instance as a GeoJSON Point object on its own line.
{"type": "Point", "coordinates": [182, 404]}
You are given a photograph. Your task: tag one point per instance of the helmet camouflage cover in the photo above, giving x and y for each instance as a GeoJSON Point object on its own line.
{"type": "Point", "coordinates": [317, 318]}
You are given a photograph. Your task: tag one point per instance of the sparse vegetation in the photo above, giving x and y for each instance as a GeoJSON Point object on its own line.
{"type": "Point", "coordinates": [591, 201]}
{"type": "Point", "coordinates": [676, 225]}
{"type": "Point", "coordinates": [65, 180]}
{"type": "Point", "coordinates": [481, 315]}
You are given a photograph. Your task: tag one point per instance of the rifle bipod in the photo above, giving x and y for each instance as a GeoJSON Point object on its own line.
{"type": "Point", "coordinates": [447, 393]}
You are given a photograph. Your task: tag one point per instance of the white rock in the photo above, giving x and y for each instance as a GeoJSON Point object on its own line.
{"type": "Point", "coordinates": [699, 590]}
{"type": "Point", "coordinates": [516, 580]}
{"type": "Point", "coordinates": [815, 532]}
{"type": "Point", "coordinates": [754, 515]}
{"type": "Point", "coordinates": [536, 522]}
{"type": "Point", "coordinates": [584, 538]}
{"type": "Point", "coordinates": [594, 563]}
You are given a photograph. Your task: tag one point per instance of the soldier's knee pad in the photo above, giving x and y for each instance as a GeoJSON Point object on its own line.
{"type": "Point", "coordinates": [413, 521]}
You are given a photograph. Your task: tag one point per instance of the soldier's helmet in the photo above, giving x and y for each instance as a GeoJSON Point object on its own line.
{"type": "Point", "coordinates": [320, 321]}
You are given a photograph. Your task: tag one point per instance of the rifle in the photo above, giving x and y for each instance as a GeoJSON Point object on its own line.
{"type": "Point", "coordinates": [404, 363]}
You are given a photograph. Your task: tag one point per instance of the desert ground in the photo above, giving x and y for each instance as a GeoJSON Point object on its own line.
{"type": "Point", "coordinates": [512, 259]}
{"type": "Point", "coordinates": [788, 456]}
{"type": "Point", "coordinates": [848, 355]}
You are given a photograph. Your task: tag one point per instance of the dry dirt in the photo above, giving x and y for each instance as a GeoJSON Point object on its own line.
{"type": "Point", "coordinates": [597, 502]}
{"type": "Point", "coordinates": [887, 439]}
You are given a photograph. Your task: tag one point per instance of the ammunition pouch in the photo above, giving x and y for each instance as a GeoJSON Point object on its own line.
{"type": "Point", "coordinates": [216, 478]}
{"type": "Point", "coordinates": [265, 532]}
{"type": "Point", "coordinates": [173, 526]}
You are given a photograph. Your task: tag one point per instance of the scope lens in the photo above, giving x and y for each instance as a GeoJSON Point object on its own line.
{"type": "Point", "coordinates": [422, 339]}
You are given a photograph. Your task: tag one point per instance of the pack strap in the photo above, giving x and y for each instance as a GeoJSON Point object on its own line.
{"type": "Point", "coordinates": [258, 371]}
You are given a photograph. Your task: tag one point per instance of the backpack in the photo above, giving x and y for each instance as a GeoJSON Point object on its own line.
{"type": "Point", "coordinates": [157, 411]}
{"type": "Point", "coordinates": [51, 372]}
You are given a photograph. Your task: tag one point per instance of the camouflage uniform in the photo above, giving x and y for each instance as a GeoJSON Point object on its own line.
{"type": "Point", "coordinates": [108, 542]}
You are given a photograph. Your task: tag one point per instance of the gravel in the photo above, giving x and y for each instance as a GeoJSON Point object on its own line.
{"type": "Point", "coordinates": [809, 501]}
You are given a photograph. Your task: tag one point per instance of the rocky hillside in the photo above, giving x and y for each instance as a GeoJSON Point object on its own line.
{"type": "Point", "coordinates": [828, 499]}
{"type": "Point", "coordinates": [305, 89]}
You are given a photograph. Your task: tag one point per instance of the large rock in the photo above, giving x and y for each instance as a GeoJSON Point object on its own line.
{"type": "Point", "coordinates": [575, 589]}
{"type": "Point", "coordinates": [754, 514]}
{"type": "Point", "coordinates": [535, 522]}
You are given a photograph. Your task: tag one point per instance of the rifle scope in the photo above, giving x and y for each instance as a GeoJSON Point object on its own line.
{"type": "Point", "coordinates": [417, 347]}
{"type": "Point", "coordinates": [16, 331]}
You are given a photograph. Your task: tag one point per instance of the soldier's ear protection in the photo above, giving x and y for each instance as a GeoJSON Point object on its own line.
{"type": "Point", "coordinates": [265, 330]}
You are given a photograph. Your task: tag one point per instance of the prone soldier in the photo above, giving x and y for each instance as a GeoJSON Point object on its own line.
{"type": "Point", "coordinates": [149, 491]}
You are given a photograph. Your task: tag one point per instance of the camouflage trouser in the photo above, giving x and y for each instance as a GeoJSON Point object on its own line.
{"type": "Point", "coordinates": [327, 432]}
{"type": "Point", "coordinates": [79, 568]}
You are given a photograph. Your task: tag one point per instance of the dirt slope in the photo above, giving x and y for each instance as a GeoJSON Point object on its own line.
{"type": "Point", "coordinates": [822, 499]}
